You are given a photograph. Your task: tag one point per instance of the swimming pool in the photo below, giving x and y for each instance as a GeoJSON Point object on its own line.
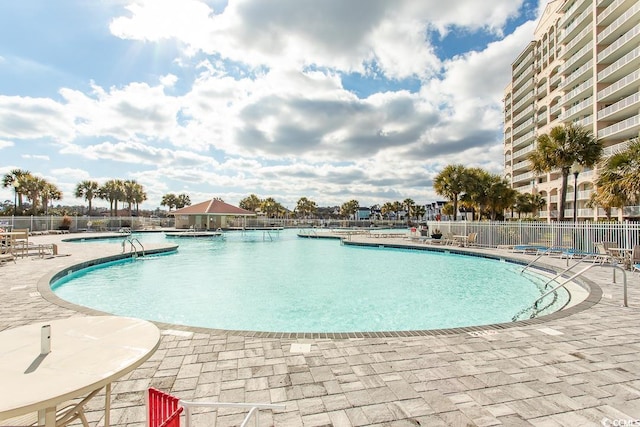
{"type": "Point", "coordinates": [278, 282]}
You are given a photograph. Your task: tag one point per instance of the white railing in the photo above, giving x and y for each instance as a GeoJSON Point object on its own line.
{"type": "Point", "coordinates": [525, 100]}
{"type": "Point", "coordinates": [619, 21]}
{"type": "Point", "coordinates": [577, 73]}
{"type": "Point", "coordinates": [524, 113]}
{"type": "Point", "coordinates": [580, 38]}
{"type": "Point", "coordinates": [581, 235]}
{"type": "Point", "coordinates": [582, 87]}
{"type": "Point", "coordinates": [619, 42]}
{"type": "Point", "coordinates": [619, 127]}
{"type": "Point", "coordinates": [567, 65]}
{"type": "Point", "coordinates": [586, 120]}
{"type": "Point", "coordinates": [620, 84]}
{"type": "Point", "coordinates": [523, 63]}
{"type": "Point", "coordinates": [524, 151]}
{"type": "Point", "coordinates": [524, 125]}
{"type": "Point", "coordinates": [575, 24]}
{"type": "Point", "coordinates": [629, 57]}
{"type": "Point", "coordinates": [575, 109]}
{"type": "Point", "coordinates": [624, 103]}
{"type": "Point", "coordinates": [526, 73]}
{"type": "Point", "coordinates": [614, 149]}
{"type": "Point", "coordinates": [609, 10]}
{"type": "Point", "coordinates": [524, 138]}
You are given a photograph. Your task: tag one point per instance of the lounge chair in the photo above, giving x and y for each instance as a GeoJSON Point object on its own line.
{"type": "Point", "coordinates": [635, 258]}
{"type": "Point", "coordinates": [164, 409]}
{"type": "Point", "coordinates": [600, 254]}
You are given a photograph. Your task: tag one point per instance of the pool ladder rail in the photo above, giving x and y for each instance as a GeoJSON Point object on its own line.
{"type": "Point", "coordinates": [133, 249]}
{"type": "Point", "coordinates": [536, 310]}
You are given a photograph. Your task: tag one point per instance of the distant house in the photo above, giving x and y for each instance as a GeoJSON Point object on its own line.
{"type": "Point", "coordinates": [209, 215]}
{"type": "Point", "coordinates": [363, 214]}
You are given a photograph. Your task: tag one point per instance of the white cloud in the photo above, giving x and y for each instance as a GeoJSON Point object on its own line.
{"type": "Point", "coordinates": [280, 121]}
{"type": "Point", "coordinates": [36, 157]}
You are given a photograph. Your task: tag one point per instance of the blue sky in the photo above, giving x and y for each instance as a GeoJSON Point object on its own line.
{"type": "Point", "coordinates": [332, 100]}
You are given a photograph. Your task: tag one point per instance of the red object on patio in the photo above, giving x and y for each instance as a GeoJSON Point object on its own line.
{"type": "Point", "coordinates": [163, 410]}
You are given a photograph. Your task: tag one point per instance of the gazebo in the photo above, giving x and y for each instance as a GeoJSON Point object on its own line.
{"type": "Point", "coordinates": [209, 215]}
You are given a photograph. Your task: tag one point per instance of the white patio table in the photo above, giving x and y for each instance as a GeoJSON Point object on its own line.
{"type": "Point", "coordinates": [86, 354]}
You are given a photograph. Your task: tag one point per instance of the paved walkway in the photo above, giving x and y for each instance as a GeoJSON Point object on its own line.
{"type": "Point", "coordinates": [577, 369]}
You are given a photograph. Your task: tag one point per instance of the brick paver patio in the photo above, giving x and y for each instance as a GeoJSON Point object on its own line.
{"type": "Point", "coordinates": [576, 369]}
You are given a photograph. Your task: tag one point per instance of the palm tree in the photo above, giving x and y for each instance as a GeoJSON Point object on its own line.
{"type": "Point", "coordinates": [418, 211]}
{"type": "Point", "coordinates": [349, 208]}
{"type": "Point", "coordinates": [139, 196]}
{"type": "Point", "coordinates": [563, 147]}
{"type": "Point", "coordinates": [450, 183]}
{"type": "Point", "coordinates": [397, 207]}
{"type": "Point", "coordinates": [408, 205]}
{"type": "Point", "coordinates": [270, 207]}
{"type": "Point", "coordinates": [14, 179]}
{"type": "Point", "coordinates": [87, 190]}
{"type": "Point", "coordinates": [387, 209]}
{"type": "Point", "coordinates": [477, 183]}
{"type": "Point", "coordinates": [617, 184]}
{"type": "Point", "coordinates": [170, 200]}
{"type": "Point", "coordinates": [49, 193]}
{"type": "Point", "coordinates": [305, 207]}
{"type": "Point", "coordinates": [499, 196]}
{"type": "Point", "coordinates": [32, 186]}
{"type": "Point", "coordinates": [130, 188]}
{"type": "Point", "coordinates": [182, 200]}
{"type": "Point", "coordinates": [251, 203]}
{"type": "Point", "coordinates": [112, 191]}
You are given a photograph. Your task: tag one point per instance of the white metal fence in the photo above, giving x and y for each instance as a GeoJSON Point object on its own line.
{"type": "Point", "coordinates": [47, 223]}
{"type": "Point", "coordinates": [581, 235]}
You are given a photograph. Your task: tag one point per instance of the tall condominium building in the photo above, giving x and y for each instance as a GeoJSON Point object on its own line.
{"type": "Point", "coordinates": [583, 66]}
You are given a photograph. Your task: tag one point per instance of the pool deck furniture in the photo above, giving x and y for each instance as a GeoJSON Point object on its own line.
{"type": "Point", "coordinates": [574, 368]}
{"type": "Point", "coordinates": [83, 356]}
{"type": "Point", "coordinates": [164, 410]}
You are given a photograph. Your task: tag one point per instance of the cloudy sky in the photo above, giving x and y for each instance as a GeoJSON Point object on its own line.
{"type": "Point", "coordinates": [332, 100]}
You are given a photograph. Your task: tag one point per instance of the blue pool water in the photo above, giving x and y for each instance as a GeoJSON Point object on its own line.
{"type": "Point", "coordinates": [279, 282]}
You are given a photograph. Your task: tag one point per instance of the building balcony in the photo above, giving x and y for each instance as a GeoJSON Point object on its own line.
{"type": "Point", "coordinates": [577, 110]}
{"type": "Point", "coordinates": [578, 58]}
{"type": "Point", "coordinates": [584, 88]}
{"type": "Point", "coordinates": [585, 37]}
{"type": "Point", "coordinates": [523, 127]}
{"type": "Point", "coordinates": [524, 114]}
{"type": "Point", "coordinates": [624, 65]}
{"type": "Point", "coordinates": [625, 129]}
{"type": "Point", "coordinates": [581, 73]}
{"type": "Point", "coordinates": [527, 60]}
{"type": "Point", "coordinates": [523, 177]}
{"type": "Point", "coordinates": [619, 88]}
{"type": "Point", "coordinates": [621, 25]}
{"type": "Point", "coordinates": [614, 149]}
{"type": "Point", "coordinates": [576, 8]}
{"type": "Point", "coordinates": [630, 37]}
{"type": "Point", "coordinates": [523, 93]}
{"type": "Point", "coordinates": [586, 121]}
{"type": "Point", "coordinates": [522, 165]}
{"type": "Point", "coordinates": [527, 99]}
{"type": "Point", "coordinates": [578, 23]}
{"type": "Point", "coordinates": [527, 73]}
{"type": "Point", "coordinates": [622, 108]}
{"type": "Point", "coordinates": [607, 16]}
{"type": "Point", "coordinates": [524, 152]}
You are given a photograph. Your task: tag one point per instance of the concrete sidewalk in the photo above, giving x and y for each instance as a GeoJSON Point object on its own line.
{"type": "Point", "coordinates": [576, 369]}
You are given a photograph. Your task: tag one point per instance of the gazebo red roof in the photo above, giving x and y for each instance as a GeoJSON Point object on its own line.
{"type": "Point", "coordinates": [213, 207]}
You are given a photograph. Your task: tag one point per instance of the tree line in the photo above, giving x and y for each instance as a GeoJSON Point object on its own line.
{"type": "Point", "coordinates": [39, 192]}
